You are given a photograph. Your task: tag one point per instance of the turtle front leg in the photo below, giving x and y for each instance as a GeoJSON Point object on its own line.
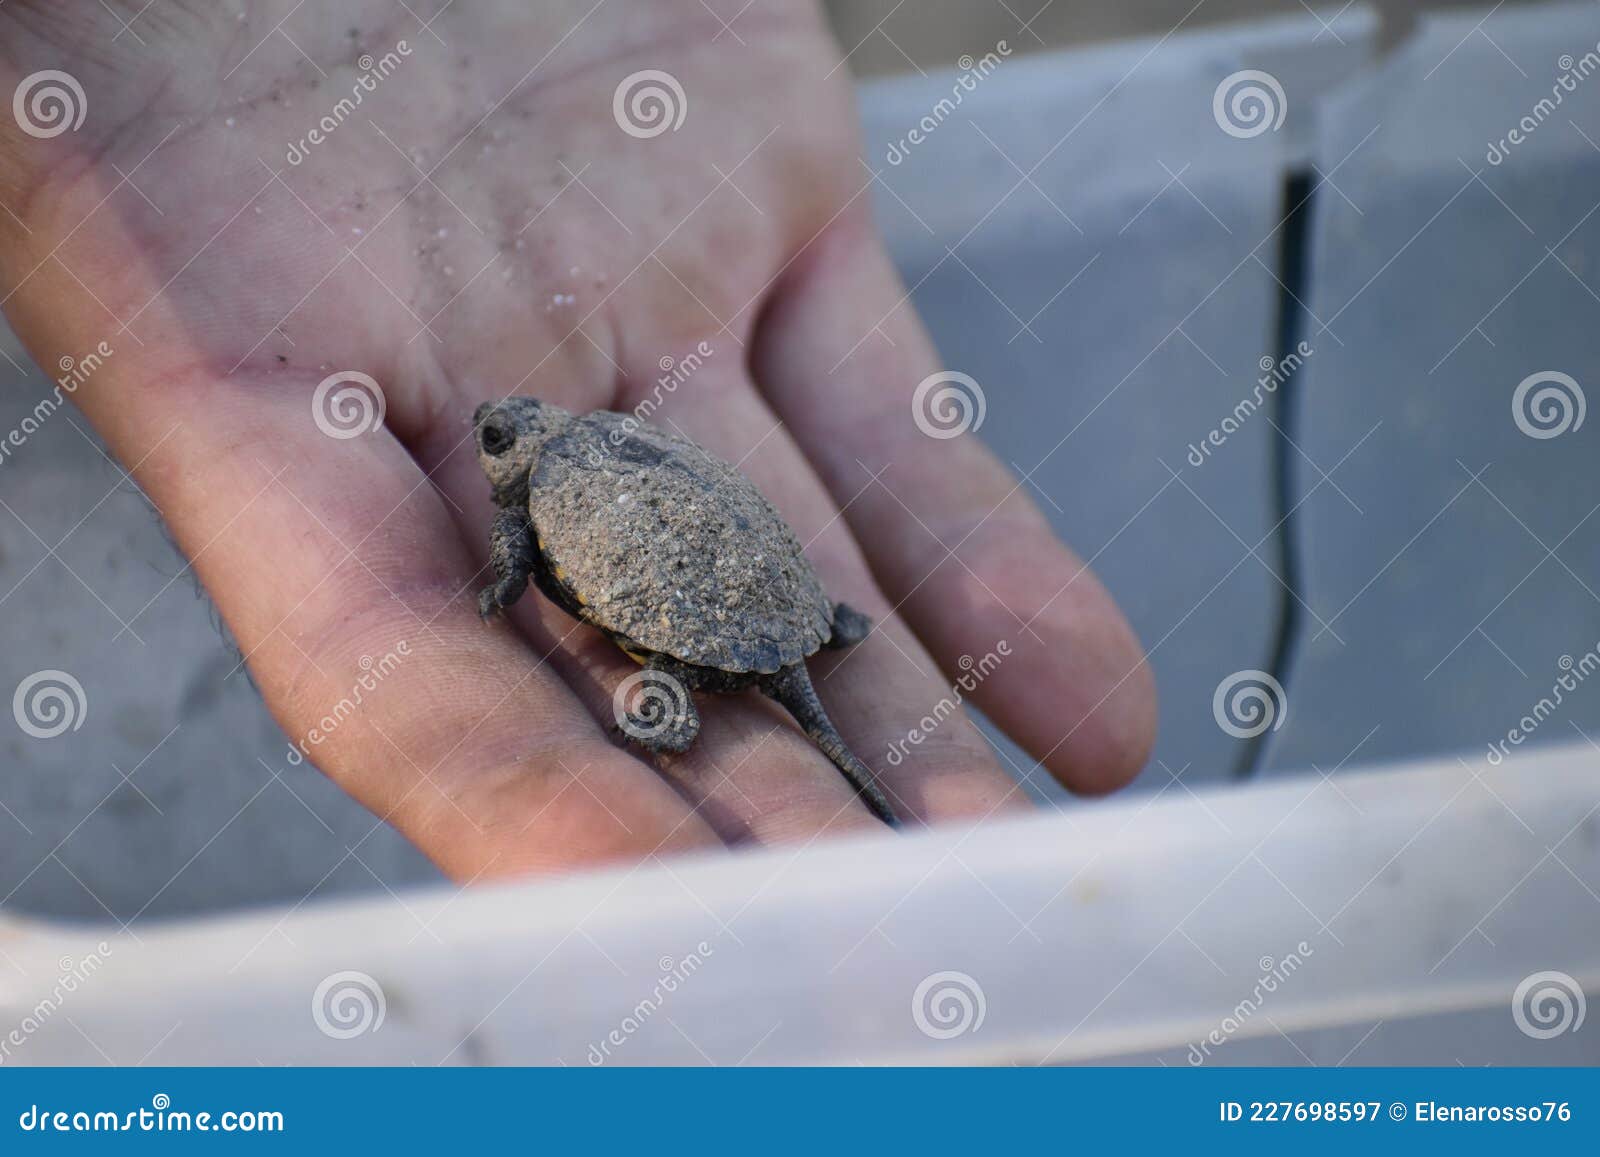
{"type": "Point", "coordinates": [512, 554]}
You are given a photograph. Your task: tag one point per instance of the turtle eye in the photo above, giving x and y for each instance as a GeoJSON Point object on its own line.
{"type": "Point", "coordinates": [496, 439]}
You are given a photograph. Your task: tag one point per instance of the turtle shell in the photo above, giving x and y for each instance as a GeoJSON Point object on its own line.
{"type": "Point", "coordinates": [672, 549]}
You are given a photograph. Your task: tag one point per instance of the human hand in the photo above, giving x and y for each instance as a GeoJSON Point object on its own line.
{"type": "Point", "coordinates": [483, 224]}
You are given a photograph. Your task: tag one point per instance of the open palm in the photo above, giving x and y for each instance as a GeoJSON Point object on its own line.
{"type": "Point", "coordinates": [490, 217]}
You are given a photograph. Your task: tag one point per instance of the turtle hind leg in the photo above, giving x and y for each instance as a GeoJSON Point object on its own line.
{"type": "Point", "coordinates": [654, 709]}
{"type": "Point", "coordinates": [792, 688]}
{"type": "Point", "coordinates": [850, 627]}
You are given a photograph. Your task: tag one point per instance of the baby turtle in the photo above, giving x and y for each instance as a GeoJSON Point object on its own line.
{"type": "Point", "coordinates": [672, 553]}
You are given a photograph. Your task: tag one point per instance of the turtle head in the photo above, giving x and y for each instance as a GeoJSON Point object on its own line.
{"type": "Point", "coordinates": [509, 434]}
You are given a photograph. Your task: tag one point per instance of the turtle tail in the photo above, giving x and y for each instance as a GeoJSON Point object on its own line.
{"type": "Point", "coordinates": [792, 688]}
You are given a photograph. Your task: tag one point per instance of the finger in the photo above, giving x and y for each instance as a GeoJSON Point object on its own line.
{"type": "Point", "coordinates": [749, 774]}
{"type": "Point", "coordinates": [877, 690]}
{"type": "Point", "coordinates": [950, 535]}
{"type": "Point", "coordinates": [344, 583]}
